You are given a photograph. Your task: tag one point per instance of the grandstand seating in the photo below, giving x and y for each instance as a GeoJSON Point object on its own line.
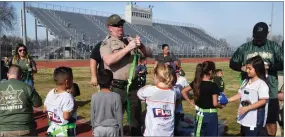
{"type": "Point", "coordinates": [92, 29]}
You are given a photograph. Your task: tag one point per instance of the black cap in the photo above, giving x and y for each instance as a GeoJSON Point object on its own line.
{"type": "Point", "coordinates": [260, 30]}
{"type": "Point", "coordinates": [115, 20]}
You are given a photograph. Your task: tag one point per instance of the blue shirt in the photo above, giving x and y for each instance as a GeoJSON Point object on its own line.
{"type": "Point", "coordinates": [141, 68]}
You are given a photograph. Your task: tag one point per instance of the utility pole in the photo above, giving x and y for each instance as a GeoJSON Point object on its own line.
{"type": "Point", "coordinates": [24, 23]}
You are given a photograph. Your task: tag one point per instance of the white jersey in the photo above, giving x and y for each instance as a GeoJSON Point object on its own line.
{"type": "Point", "coordinates": [252, 93]}
{"type": "Point", "coordinates": [159, 120]}
{"type": "Point", "coordinates": [182, 81]}
{"type": "Point", "coordinates": [56, 104]}
{"type": "Point", "coordinates": [180, 84]}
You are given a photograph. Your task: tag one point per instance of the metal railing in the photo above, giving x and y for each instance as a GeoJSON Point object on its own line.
{"type": "Point", "coordinates": [169, 35]}
{"type": "Point", "coordinates": [71, 30]}
{"type": "Point", "coordinates": [141, 31]}
{"type": "Point", "coordinates": [187, 33]}
{"type": "Point", "coordinates": [97, 23]}
{"type": "Point", "coordinates": [205, 35]}
{"type": "Point", "coordinates": [185, 25]}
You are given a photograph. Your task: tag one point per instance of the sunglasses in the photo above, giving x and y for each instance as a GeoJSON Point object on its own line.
{"type": "Point", "coordinates": [21, 50]}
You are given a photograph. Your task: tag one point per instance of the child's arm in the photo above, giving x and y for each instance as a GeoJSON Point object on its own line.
{"type": "Point", "coordinates": [45, 109]}
{"type": "Point", "coordinates": [35, 98]}
{"type": "Point", "coordinates": [281, 96]}
{"type": "Point", "coordinates": [143, 93]}
{"type": "Point", "coordinates": [263, 95]}
{"type": "Point", "coordinates": [119, 114]}
{"type": "Point", "coordinates": [68, 107]}
{"type": "Point", "coordinates": [234, 98]}
{"type": "Point", "coordinates": [185, 93]}
{"type": "Point", "coordinates": [67, 115]}
{"type": "Point", "coordinates": [256, 105]}
{"type": "Point", "coordinates": [215, 101]}
{"type": "Point", "coordinates": [75, 108]}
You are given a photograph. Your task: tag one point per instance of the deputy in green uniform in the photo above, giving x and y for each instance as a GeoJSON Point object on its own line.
{"type": "Point", "coordinates": [17, 100]}
{"type": "Point", "coordinates": [120, 56]}
{"type": "Point", "coordinates": [272, 54]}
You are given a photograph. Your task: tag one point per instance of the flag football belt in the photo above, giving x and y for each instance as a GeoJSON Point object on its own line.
{"type": "Point", "coordinates": [200, 116]}
{"type": "Point", "coordinates": [211, 110]}
{"type": "Point", "coordinates": [63, 129]}
{"type": "Point", "coordinates": [130, 80]}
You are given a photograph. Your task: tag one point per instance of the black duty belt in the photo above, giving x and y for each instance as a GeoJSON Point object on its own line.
{"type": "Point", "coordinates": [122, 84]}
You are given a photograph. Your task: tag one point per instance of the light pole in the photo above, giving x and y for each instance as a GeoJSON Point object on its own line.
{"type": "Point", "coordinates": [24, 23]}
{"type": "Point", "coordinates": [271, 23]}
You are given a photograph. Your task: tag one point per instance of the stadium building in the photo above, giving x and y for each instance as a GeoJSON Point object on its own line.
{"type": "Point", "coordinates": [78, 30]}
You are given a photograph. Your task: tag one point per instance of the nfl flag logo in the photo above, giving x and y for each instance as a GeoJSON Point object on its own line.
{"type": "Point", "coordinates": [161, 112]}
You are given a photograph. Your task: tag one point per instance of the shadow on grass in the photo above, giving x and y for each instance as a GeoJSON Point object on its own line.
{"type": "Point", "coordinates": [82, 103]}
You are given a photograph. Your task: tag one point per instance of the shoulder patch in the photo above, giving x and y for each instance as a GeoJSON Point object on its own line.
{"type": "Point", "coordinates": [107, 37]}
{"type": "Point", "coordinates": [104, 43]}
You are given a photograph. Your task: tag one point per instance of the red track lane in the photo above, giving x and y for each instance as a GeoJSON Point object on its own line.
{"type": "Point", "coordinates": [83, 126]}
{"type": "Point", "coordinates": [85, 63]}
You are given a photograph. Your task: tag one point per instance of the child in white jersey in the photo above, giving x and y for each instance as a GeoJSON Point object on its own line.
{"type": "Point", "coordinates": [59, 104]}
{"type": "Point", "coordinates": [253, 94]}
{"type": "Point", "coordinates": [160, 100]}
{"type": "Point", "coordinates": [180, 84]}
{"type": "Point", "coordinates": [74, 91]}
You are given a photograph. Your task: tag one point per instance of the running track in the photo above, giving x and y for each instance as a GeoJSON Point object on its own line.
{"type": "Point", "coordinates": [83, 126]}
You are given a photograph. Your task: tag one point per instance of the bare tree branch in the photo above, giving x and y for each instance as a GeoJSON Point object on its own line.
{"type": "Point", "coordinates": [7, 16]}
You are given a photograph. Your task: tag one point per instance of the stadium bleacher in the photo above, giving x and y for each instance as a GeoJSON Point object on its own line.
{"type": "Point", "coordinates": [90, 29]}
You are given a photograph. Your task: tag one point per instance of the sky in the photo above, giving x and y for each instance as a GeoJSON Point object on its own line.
{"type": "Point", "coordinates": [232, 21]}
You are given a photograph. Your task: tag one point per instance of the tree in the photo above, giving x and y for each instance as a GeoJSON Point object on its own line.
{"type": "Point", "coordinates": [7, 16]}
{"type": "Point", "coordinates": [248, 39]}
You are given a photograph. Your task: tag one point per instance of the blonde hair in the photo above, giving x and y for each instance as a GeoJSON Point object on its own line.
{"type": "Point", "coordinates": [165, 74]}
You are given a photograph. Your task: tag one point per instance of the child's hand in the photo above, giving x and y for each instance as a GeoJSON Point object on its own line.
{"type": "Point", "coordinates": [243, 110]}
{"type": "Point", "coordinates": [222, 106]}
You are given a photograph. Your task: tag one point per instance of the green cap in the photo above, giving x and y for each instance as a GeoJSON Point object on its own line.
{"type": "Point", "coordinates": [115, 20]}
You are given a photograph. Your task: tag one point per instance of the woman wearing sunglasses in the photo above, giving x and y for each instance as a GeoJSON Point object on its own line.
{"type": "Point", "coordinates": [25, 61]}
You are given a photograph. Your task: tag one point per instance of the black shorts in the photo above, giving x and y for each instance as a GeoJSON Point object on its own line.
{"type": "Point", "coordinates": [273, 109]}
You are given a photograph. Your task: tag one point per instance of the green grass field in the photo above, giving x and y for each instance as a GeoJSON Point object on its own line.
{"type": "Point", "coordinates": [44, 83]}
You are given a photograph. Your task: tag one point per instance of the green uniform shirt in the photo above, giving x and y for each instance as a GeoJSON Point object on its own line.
{"type": "Point", "coordinates": [25, 66]}
{"type": "Point", "coordinates": [271, 53]}
{"type": "Point", "coordinates": [16, 105]}
{"type": "Point", "coordinates": [220, 83]}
